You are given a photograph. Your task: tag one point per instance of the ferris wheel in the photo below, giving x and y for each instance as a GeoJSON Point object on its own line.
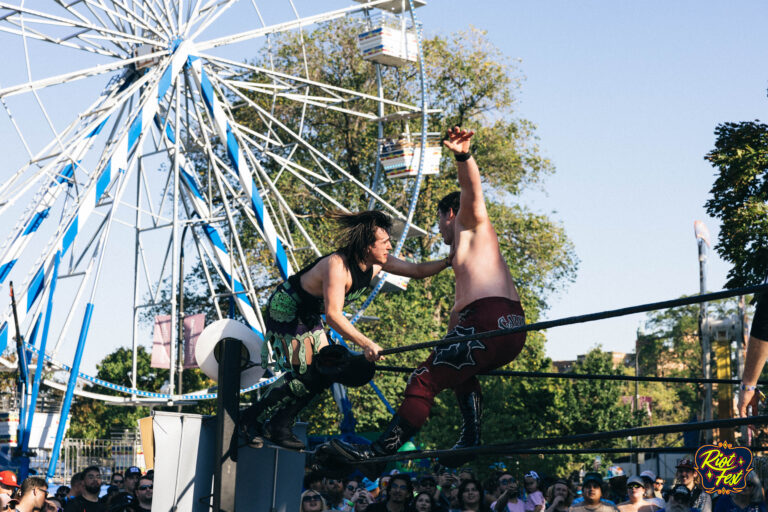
{"type": "Point", "coordinates": [136, 129]}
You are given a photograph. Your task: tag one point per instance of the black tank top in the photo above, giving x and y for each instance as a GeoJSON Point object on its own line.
{"type": "Point", "coordinates": [360, 282]}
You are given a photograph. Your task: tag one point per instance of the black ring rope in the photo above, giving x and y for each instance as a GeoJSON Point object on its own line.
{"type": "Point", "coordinates": [585, 376]}
{"type": "Point", "coordinates": [590, 317]}
{"type": "Point", "coordinates": [503, 448]}
{"type": "Point", "coordinates": [576, 451]}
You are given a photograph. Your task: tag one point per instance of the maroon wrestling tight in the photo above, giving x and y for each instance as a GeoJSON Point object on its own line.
{"type": "Point", "coordinates": [456, 366]}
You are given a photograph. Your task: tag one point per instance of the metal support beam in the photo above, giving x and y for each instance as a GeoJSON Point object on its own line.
{"type": "Point", "coordinates": [230, 358]}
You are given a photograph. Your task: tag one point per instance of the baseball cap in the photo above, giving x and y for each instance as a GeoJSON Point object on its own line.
{"type": "Point", "coordinates": [133, 470]}
{"type": "Point", "coordinates": [614, 471]}
{"type": "Point", "coordinates": [635, 480]}
{"type": "Point", "coordinates": [650, 474]}
{"type": "Point", "coordinates": [593, 477]}
{"type": "Point", "coordinates": [8, 478]}
{"type": "Point", "coordinates": [685, 464]}
{"type": "Point", "coordinates": [370, 486]}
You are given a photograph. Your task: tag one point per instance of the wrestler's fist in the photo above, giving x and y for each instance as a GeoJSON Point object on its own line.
{"type": "Point", "coordinates": [458, 140]}
{"type": "Point", "coordinates": [372, 352]}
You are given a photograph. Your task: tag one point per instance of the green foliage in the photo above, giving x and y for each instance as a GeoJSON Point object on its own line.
{"type": "Point", "coordinates": [739, 199]}
{"type": "Point", "coordinates": [95, 419]}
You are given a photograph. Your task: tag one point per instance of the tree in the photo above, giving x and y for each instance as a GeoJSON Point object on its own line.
{"type": "Point", "coordinates": [739, 198]}
{"type": "Point", "coordinates": [95, 419]}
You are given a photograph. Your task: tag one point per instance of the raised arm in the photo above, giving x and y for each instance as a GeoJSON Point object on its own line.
{"type": "Point", "coordinates": [415, 270]}
{"type": "Point", "coordinates": [334, 287]}
{"type": "Point", "coordinates": [472, 210]}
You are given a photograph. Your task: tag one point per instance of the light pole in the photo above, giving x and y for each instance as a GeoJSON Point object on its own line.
{"type": "Point", "coordinates": [702, 240]}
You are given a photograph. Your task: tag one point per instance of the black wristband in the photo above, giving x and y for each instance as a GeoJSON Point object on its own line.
{"type": "Point", "coordinates": [462, 157]}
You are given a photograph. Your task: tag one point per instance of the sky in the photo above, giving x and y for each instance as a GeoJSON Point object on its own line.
{"type": "Point", "coordinates": [626, 97]}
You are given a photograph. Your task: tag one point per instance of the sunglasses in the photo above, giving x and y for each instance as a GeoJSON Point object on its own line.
{"type": "Point", "coordinates": [634, 486]}
{"type": "Point", "coordinates": [311, 497]}
{"type": "Point", "coordinates": [144, 487]}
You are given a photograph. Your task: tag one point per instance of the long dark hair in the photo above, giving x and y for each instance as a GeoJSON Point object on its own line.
{"type": "Point", "coordinates": [358, 231]}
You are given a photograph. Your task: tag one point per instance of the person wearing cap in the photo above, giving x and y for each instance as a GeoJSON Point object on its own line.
{"type": "Point", "coordinates": [637, 501]}
{"type": "Point", "coordinates": [649, 477]}
{"type": "Point", "coordinates": [8, 482]}
{"type": "Point", "coordinates": [534, 498]}
{"type": "Point", "coordinates": [592, 494]}
{"type": "Point", "coordinates": [686, 475]}
{"type": "Point", "coordinates": [559, 496]}
{"type": "Point", "coordinates": [131, 479]}
{"type": "Point", "coordinates": [750, 499]}
{"type": "Point", "coordinates": [679, 500]}
{"type": "Point", "coordinates": [510, 493]}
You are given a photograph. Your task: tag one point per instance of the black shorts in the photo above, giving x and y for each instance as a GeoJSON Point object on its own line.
{"type": "Point", "coordinates": [760, 322]}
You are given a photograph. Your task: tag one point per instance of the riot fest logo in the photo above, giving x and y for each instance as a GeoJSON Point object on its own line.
{"type": "Point", "coordinates": [723, 467]}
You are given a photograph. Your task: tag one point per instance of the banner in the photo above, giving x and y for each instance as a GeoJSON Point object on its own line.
{"type": "Point", "coordinates": [161, 340]}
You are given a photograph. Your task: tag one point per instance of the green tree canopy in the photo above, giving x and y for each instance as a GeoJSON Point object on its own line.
{"type": "Point", "coordinates": [739, 198]}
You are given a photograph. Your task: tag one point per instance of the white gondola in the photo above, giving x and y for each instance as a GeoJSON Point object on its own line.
{"type": "Point", "coordinates": [388, 41]}
{"type": "Point", "coordinates": [400, 157]}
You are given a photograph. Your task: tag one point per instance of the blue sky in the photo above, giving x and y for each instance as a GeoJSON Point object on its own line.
{"type": "Point", "coordinates": [626, 97]}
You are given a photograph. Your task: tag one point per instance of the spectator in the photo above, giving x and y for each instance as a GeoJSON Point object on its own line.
{"type": "Point", "coordinates": [509, 497]}
{"type": "Point", "coordinates": [61, 493]}
{"type": "Point", "coordinates": [8, 482]}
{"type": "Point", "coordinates": [34, 491]}
{"type": "Point", "coordinates": [349, 494]}
{"type": "Point", "coordinates": [334, 493]}
{"type": "Point", "coordinates": [117, 480]}
{"type": "Point", "coordinates": [362, 501]}
{"type": "Point", "coordinates": [658, 488]}
{"type": "Point", "coordinates": [312, 501]}
{"type": "Point", "coordinates": [686, 475]}
{"type": "Point", "coordinates": [7, 503]}
{"type": "Point", "coordinates": [399, 494]}
{"type": "Point", "coordinates": [423, 502]}
{"type": "Point", "coordinates": [534, 498]}
{"type": "Point", "coordinates": [122, 502]}
{"type": "Point", "coordinates": [592, 492]}
{"type": "Point", "coordinates": [749, 500]}
{"type": "Point", "coordinates": [617, 482]}
{"type": "Point", "coordinates": [637, 501]}
{"type": "Point", "coordinates": [649, 478]}
{"type": "Point", "coordinates": [313, 480]}
{"type": "Point", "coordinates": [466, 474]}
{"type": "Point", "coordinates": [447, 482]}
{"type": "Point", "coordinates": [559, 496]}
{"type": "Point", "coordinates": [144, 494]}
{"type": "Point", "coordinates": [53, 505]}
{"type": "Point", "coordinates": [470, 497]}
{"type": "Point", "coordinates": [75, 486]}
{"type": "Point", "coordinates": [679, 500]}
{"type": "Point", "coordinates": [131, 479]}
{"type": "Point", "coordinates": [88, 501]}
{"type": "Point", "coordinates": [427, 483]}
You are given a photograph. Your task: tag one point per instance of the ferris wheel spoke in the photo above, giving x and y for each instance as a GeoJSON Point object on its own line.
{"type": "Point", "coordinates": [77, 24]}
{"type": "Point", "coordinates": [325, 159]}
{"type": "Point", "coordinates": [298, 79]}
{"type": "Point", "coordinates": [74, 75]}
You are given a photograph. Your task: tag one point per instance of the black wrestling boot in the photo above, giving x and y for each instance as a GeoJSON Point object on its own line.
{"type": "Point", "coordinates": [396, 434]}
{"type": "Point", "coordinates": [471, 408]}
{"type": "Point", "coordinates": [278, 428]}
{"type": "Point", "coordinates": [251, 428]}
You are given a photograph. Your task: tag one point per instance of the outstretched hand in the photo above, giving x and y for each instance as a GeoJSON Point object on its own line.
{"type": "Point", "coordinates": [458, 140]}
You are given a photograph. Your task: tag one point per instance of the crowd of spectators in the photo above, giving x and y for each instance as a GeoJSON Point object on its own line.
{"type": "Point", "coordinates": [126, 492]}
{"type": "Point", "coordinates": [447, 490]}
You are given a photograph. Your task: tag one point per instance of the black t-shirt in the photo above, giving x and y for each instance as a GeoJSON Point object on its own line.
{"type": "Point", "coordinates": [80, 504]}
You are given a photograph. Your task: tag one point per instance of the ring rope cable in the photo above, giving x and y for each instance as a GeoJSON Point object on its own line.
{"type": "Point", "coordinates": [419, 175]}
{"type": "Point", "coordinates": [590, 317]}
{"type": "Point", "coordinates": [501, 448]}
{"type": "Point", "coordinates": [585, 376]}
